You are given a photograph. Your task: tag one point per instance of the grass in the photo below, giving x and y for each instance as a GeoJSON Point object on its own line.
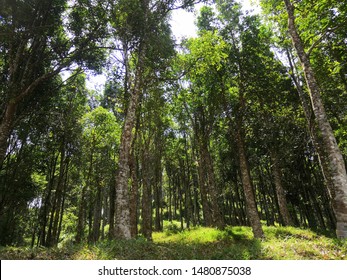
{"type": "Point", "coordinates": [280, 243]}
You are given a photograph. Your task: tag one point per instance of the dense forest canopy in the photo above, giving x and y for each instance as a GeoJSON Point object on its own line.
{"type": "Point", "coordinates": [244, 124]}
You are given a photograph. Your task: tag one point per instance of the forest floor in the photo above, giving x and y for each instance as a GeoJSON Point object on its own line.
{"type": "Point", "coordinates": [237, 243]}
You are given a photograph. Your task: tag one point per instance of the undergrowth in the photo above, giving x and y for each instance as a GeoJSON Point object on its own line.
{"type": "Point", "coordinates": [198, 243]}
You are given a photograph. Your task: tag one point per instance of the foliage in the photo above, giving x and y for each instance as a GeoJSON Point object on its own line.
{"type": "Point", "coordinates": [172, 118]}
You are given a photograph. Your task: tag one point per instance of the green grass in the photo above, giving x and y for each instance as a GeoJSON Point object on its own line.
{"type": "Point", "coordinates": [200, 243]}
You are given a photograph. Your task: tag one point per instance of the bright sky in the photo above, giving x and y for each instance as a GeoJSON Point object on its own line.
{"type": "Point", "coordinates": [183, 22]}
{"type": "Point", "coordinates": [182, 26]}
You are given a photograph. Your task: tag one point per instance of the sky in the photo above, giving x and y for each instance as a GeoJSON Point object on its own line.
{"type": "Point", "coordinates": [182, 24]}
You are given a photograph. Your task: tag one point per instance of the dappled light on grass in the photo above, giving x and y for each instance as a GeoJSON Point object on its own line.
{"type": "Point", "coordinates": [211, 243]}
{"type": "Point", "coordinates": [235, 243]}
{"type": "Point", "coordinates": [294, 243]}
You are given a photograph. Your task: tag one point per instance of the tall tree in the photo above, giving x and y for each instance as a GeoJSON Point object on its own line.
{"type": "Point", "coordinates": [143, 24]}
{"type": "Point", "coordinates": [241, 34]}
{"type": "Point", "coordinates": [35, 47]}
{"type": "Point", "coordinates": [336, 164]}
{"type": "Point", "coordinates": [203, 59]}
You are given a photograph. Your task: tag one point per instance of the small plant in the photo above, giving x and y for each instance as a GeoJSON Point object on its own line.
{"type": "Point", "coordinates": [172, 227]}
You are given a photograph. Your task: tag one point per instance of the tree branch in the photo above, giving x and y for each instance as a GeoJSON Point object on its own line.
{"type": "Point", "coordinates": [321, 38]}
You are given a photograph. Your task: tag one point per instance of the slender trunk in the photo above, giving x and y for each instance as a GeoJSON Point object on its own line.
{"type": "Point", "coordinates": [6, 128]}
{"type": "Point", "coordinates": [281, 197]}
{"type": "Point", "coordinates": [59, 195]}
{"type": "Point", "coordinates": [195, 199]}
{"type": "Point", "coordinates": [62, 210]}
{"type": "Point", "coordinates": [105, 213]}
{"type": "Point", "coordinates": [157, 196]}
{"type": "Point", "coordinates": [188, 194]}
{"type": "Point", "coordinates": [47, 201]}
{"type": "Point", "coordinates": [111, 211]}
{"type": "Point", "coordinates": [134, 194]}
{"type": "Point", "coordinates": [311, 127]}
{"type": "Point", "coordinates": [170, 194]}
{"type": "Point", "coordinates": [174, 195]}
{"type": "Point", "coordinates": [180, 199]}
{"type": "Point", "coordinates": [146, 197]}
{"type": "Point", "coordinates": [240, 200]}
{"type": "Point", "coordinates": [81, 216]}
{"type": "Point", "coordinates": [97, 214]}
{"type": "Point", "coordinates": [264, 199]}
{"type": "Point", "coordinates": [158, 182]}
{"type": "Point", "coordinates": [336, 164]}
{"type": "Point", "coordinates": [204, 194]}
{"type": "Point", "coordinates": [214, 193]}
{"type": "Point", "coordinates": [251, 207]}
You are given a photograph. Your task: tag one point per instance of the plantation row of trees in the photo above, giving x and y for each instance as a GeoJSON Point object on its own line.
{"type": "Point", "coordinates": [244, 123]}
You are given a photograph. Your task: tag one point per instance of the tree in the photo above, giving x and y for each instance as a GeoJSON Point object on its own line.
{"type": "Point", "coordinates": [306, 41]}
{"type": "Point", "coordinates": [35, 48]}
{"type": "Point", "coordinates": [203, 59]}
{"type": "Point", "coordinates": [141, 37]}
{"type": "Point", "coordinates": [239, 33]}
{"type": "Point", "coordinates": [100, 144]}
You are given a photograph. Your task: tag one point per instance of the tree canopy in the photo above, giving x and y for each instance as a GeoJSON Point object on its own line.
{"type": "Point", "coordinates": [242, 125]}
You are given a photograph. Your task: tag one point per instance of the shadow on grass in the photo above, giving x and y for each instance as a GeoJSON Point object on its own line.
{"type": "Point", "coordinates": [232, 243]}
{"type": "Point", "coordinates": [218, 250]}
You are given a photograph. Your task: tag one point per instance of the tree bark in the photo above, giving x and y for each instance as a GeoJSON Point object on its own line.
{"type": "Point", "coordinates": [81, 216]}
{"type": "Point", "coordinates": [46, 208]}
{"type": "Point", "coordinates": [208, 220]}
{"type": "Point", "coordinates": [134, 194]}
{"type": "Point", "coordinates": [311, 128]}
{"type": "Point", "coordinates": [281, 197]}
{"type": "Point", "coordinates": [59, 193]}
{"type": "Point", "coordinates": [122, 228]}
{"type": "Point", "coordinates": [336, 164]}
{"type": "Point", "coordinates": [218, 220]}
{"type": "Point", "coordinates": [158, 178]}
{"type": "Point", "coordinates": [6, 128]}
{"type": "Point", "coordinates": [251, 207]}
{"type": "Point", "coordinates": [97, 214]}
{"type": "Point", "coordinates": [208, 188]}
{"type": "Point", "coordinates": [146, 196]}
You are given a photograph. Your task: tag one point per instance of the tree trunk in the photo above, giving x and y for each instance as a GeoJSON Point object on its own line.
{"type": "Point", "coordinates": [263, 198]}
{"type": "Point", "coordinates": [97, 214]}
{"type": "Point", "coordinates": [158, 203]}
{"type": "Point", "coordinates": [57, 211]}
{"type": "Point", "coordinates": [105, 211]}
{"type": "Point", "coordinates": [81, 216]}
{"type": "Point", "coordinates": [218, 220]}
{"type": "Point", "coordinates": [208, 220]}
{"type": "Point", "coordinates": [122, 228]}
{"type": "Point", "coordinates": [133, 194]}
{"type": "Point", "coordinates": [195, 197]}
{"type": "Point", "coordinates": [158, 181]}
{"type": "Point", "coordinates": [187, 184]}
{"type": "Point", "coordinates": [251, 207]}
{"type": "Point", "coordinates": [336, 165]}
{"type": "Point", "coordinates": [169, 193]}
{"type": "Point", "coordinates": [112, 195]}
{"type": "Point", "coordinates": [311, 128]}
{"type": "Point", "coordinates": [146, 196]}
{"type": "Point", "coordinates": [46, 208]}
{"type": "Point", "coordinates": [281, 197]}
{"type": "Point", "coordinates": [62, 210]}
{"type": "Point", "coordinates": [6, 128]}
